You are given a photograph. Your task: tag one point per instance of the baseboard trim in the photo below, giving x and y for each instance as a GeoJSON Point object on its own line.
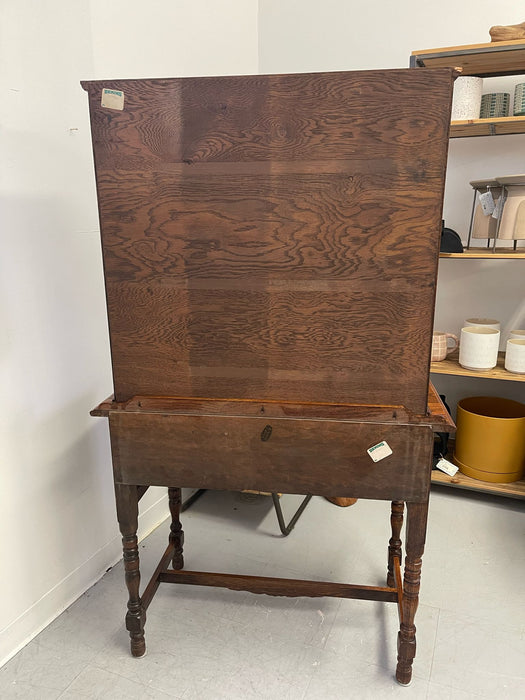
{"type": "Point", "coordinates": [37, 617]}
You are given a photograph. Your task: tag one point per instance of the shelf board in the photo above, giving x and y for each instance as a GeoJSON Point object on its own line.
{"type": "Point", "coordinates": [452, 366]}
{"type": "Point", "coordinates": [488, 254]}
{"type": "Point", "coordinates": [515, 489]}
{"type": "Point", "coordinates": [490, 59]}
{"type": "Point", "coordinates": [496, 126]}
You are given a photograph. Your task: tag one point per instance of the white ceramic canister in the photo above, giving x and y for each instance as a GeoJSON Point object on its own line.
{"type": "Point", "coordinates": [517, 333]}
{"type": "Point", "coordinates": [478, 348]}
{"type": "Point", "coordinates": [519, 100]}
{"type": "Point", "coordinates": [466, 101]}
{"type": "Point", "coordinates": [515, 356]}
{"type": "Point", "coordinates": [484, 322]}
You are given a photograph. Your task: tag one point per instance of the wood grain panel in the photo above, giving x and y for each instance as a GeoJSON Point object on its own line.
{"type": "Point", "coordinates": [279, 117]}
{"type": "Point", "coordinates": [273, 237]}
{"type": "Point", "coordinates": [293, 456]}
{"type": "Point", "coordinates": [437, 416]}
{"type": "Point", "coordinates": [294, 226]}
{"type": "Point", "coordinates": [266, 345]}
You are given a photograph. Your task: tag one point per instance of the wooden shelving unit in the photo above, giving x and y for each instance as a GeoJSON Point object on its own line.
{"type": "Point", "coordinates": [483, 60]}
{"type": "Point", "coordinates": [451, 366]}
{"type": "Point", "coordinates": [516, 489]}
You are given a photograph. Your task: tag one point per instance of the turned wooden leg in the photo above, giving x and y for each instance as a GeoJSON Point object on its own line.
{"type": "Point", "coordinates": [127, 513]}
{"type": "Point", "coordinates": [394, 544]}
{"type": "Point", "coordinates": [415, 542]}
{"type": "Point", "coordinates": [176, 531]}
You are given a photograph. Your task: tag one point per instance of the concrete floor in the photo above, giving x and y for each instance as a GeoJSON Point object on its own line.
{"type": "Point", "coordinates": [206, 643]}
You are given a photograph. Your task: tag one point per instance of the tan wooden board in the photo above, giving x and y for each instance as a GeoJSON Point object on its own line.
{"type": "Point", "coordinates": [451, 366]}
{"type": "Point", "coordinates": [515, 489]}
{"type": "Point", "coordinates": [493, 45]}
{"type": "Point", "coordinates": [493, 58]}
{"type": "Point", "coordinates": [498, 126]}
{"type": "Point", "coordinates": [487, 254]}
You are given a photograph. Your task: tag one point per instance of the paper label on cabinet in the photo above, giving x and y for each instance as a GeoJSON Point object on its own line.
{"type": "Point", "coordinates": [379, 451]}
{"type": "Point", "coordinates": [112, 99]}
{"type": "Point", "coordinates": [446, 466]}
{"type": "Point", "coordinates": [487, 202]}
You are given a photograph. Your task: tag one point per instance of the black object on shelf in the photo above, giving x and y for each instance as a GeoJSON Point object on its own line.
{"type": "Point", "coordinates": [450, 241]}
{"type": "Point", "coordinates": [440, 440]}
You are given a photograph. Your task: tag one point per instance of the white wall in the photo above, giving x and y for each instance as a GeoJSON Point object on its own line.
{"type": "Point", "coordinates": [57, 517]}
{"type": "Point", "coordinates": [307, 35]}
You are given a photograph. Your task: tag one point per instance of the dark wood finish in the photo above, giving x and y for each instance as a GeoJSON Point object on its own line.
{"type": "Point", "coordinates": [263, 237]}
{"type": "Point", "coordinates": [299, 456]}
{"type": "Point", "coordinates": [127, 515]}
{"type": "Point", "coordinates": [436, 416]}
{"type": "Point", "coordinates": [248, 407]}
{"type": "Point", "coordinates": [154, 582]}
{"type": "Point", "coordinates": [394, 545]}
{"type": "Point", "coordinates": [141, 490]}
{"type": "Point", "coordinates": [398, 580]}
{"type": "Point", "coordinates": [280, 586]}
{"type": "Point", "coordinates": [176, 531]}
{"type": "Point", "coordinates": [417, 514]}
{"type": "Point", "coordinates": [270, 251]}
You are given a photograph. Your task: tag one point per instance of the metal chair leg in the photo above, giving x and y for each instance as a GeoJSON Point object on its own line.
{"type": "Point", "coordinates": [286, 529]}
{"type": "Point", "coordinates": [191, 500]}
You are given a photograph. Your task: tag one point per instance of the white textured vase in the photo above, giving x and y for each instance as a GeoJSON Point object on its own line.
{"type": "Point", "coordinates": [515, 356]}
{"type": "Point", "coordinates": [466, 102]}
{"type": "Point", "coordinates": [478, 348]}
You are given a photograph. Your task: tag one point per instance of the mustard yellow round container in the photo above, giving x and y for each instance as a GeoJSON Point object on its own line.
{"type": "Point", "coordinates": [490, 439]}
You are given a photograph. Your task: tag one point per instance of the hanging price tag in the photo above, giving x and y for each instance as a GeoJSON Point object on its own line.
{"type": "Point", "coordinates": [487, 202]}
{"type": "Point", "coordinates": [447, 466]}
{"type": "Point", "coordinates": [497, 209]}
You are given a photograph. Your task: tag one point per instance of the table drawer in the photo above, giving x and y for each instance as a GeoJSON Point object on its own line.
{"type": "Point", "coordinates": [322, 457]}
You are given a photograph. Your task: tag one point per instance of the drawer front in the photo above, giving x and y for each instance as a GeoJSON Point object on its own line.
{"type": "Point", "coordinates": [320, 457]}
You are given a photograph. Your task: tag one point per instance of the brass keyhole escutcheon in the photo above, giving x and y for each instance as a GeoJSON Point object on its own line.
{"type": "Point", "coordinates": [266, 433]}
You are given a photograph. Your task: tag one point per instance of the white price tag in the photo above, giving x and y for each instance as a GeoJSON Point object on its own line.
{"type": "Point", "coordinates": [112, 99]}
{"type": "Point", "coordinates": [497, 209]}
{"type": "Point", "coordinates": [447, 466]}
{"type": "Point", "coordinates": [487, 202]}
{"type": "Point", "coordinates": [379, 451]}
